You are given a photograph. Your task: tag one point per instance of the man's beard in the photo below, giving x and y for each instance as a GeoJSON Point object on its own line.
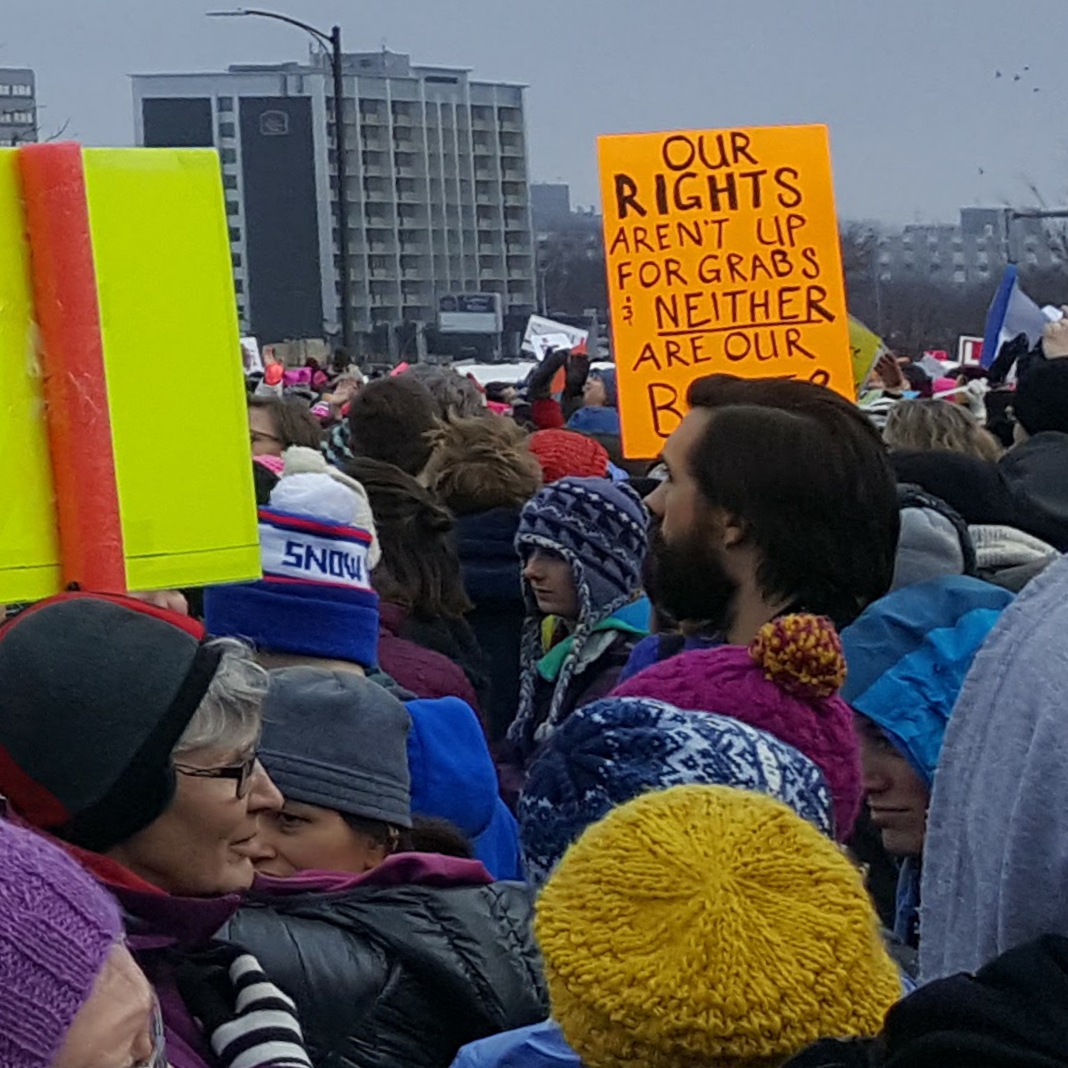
{"type": "Point", "coordinates": [690, 583]}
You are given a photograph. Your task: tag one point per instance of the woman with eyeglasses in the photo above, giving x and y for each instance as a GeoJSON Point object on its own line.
{"type": "Point", "coordinates": [275, 423]}
{"type": "Point", "coordinates": [131, 739]}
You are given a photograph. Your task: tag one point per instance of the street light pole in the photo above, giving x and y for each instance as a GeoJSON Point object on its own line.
{"type": "Point", "coordinates": [337, 57]}
{"type": "Point", "coordinates": [333, 42]}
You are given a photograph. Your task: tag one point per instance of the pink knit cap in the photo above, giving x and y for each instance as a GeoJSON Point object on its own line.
{"type": "Point", "coordinates": [785, 683]}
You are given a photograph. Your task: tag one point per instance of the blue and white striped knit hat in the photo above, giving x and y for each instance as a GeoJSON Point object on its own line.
{"type": "Point", "coordinates": [318, 547]}
{"type": "Point", "coordinates": [601, 528]}
{"type": "Point", "coordinates": [611, 751]}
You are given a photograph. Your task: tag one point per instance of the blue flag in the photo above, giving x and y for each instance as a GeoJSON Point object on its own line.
{"type": "Point", "coordinates": [1011, 312]}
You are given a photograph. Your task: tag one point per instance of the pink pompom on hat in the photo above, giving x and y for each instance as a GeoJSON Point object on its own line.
{"type": "Point", "coordinates": [786, 683]}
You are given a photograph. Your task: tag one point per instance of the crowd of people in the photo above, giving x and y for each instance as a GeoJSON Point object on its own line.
{"type": "Point", "coordinates": [524, 754]}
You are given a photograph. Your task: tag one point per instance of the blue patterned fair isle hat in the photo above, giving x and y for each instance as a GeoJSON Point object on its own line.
{"type": "Point", "coordinates": [613, 750]}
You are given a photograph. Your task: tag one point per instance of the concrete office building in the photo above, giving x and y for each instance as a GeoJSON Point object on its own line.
{"type": "Point", "coordinates": [974, 251]}
{"type": "Point", "coordinates": [438, 193]}
{"type": "Point", "coordinates": [18, 106]}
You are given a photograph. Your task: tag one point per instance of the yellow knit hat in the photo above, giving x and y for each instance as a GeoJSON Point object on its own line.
{"type": "Point", "coordinates": [708, 926]}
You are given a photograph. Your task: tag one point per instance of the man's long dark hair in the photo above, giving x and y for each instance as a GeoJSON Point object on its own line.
{"type": "Point", "coordinates": [809, 477]}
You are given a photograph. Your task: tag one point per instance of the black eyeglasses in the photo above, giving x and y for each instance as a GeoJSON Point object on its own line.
{"type": "Point", "coordinates": [241, 772]}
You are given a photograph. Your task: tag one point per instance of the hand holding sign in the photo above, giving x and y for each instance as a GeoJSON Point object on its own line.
{"type": "Point", "coordinates": [723, 257]}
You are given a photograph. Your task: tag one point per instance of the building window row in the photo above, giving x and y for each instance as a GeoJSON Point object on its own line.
{"type": "Point", "coordinates": [16, 118]}
{"type": "Point", "coordinates": [7, 89]}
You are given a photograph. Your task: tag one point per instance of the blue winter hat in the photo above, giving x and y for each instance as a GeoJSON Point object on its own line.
{"type": "Point", "coordinates": [608, 376]}
{"type": "Point", "coordinates": [610, 751]}
{"type": "Point", "coordinates": [907, 656]}
{"type": "Point", "coordinates": [453, 775]}
{"type": "Point", "coordinates": [315, 598]}
{"type": "Point", "coordinates": [601, 528]}
{"type": "Point", "coordinates": [454, 778]}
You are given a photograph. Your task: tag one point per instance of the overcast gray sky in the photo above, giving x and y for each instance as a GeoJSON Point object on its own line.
{"type": "Point", "coordinates": [908, 87]}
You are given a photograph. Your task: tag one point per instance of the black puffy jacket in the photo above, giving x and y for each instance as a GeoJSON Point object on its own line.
{"type": "Point", "coordinates": [390, 975]}
{"type": "Point", "coordinates": [1010, 1014]}
{"type": "Point", "coordinates": [1036, 473]}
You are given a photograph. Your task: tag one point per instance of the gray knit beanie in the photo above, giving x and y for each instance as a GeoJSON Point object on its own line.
{"type": "Point", "coordinates": [333, 739]}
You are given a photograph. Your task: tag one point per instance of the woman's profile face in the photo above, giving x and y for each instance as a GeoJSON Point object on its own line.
{"type": "Point", "coordinates": [264, 435]}
{"type": "Point", "coordinates": [302, 837]}
{"type": "Point", "coordinates": [206, 842]}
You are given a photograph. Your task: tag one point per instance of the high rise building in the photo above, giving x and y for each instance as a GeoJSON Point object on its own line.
{"type": "Point", "coordinates": [18, 106]}
{"type": "Point", "coordinates": [438, 193]}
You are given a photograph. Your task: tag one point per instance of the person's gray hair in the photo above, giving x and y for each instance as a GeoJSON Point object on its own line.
{"type": "Point", "coordinates": [230, 715]}
{"type": "Point", "coordinates": [455, 396]}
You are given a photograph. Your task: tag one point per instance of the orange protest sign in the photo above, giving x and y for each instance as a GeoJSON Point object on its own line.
{"type": "Point", "coordinates": [722, 258]}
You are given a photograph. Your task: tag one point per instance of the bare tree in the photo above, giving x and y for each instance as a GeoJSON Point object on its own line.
{"type": "Point", "coordinates": [859, 242]}
{"type": "Point", "coordinates": [58, 134]}
{"type": "Point", "coordinates": [571, 266]}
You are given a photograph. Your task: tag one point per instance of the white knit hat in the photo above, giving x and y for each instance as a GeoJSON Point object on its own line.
{"type": "Point", "coordinates": [310, 486]}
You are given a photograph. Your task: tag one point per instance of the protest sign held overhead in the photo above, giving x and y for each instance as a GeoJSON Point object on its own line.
{"type": "Point", "coordinates": [106, 254]}
{"type": "Point", "coordinates": [866, 348]}
{"type": "Point", "coordinates": [722, 257]}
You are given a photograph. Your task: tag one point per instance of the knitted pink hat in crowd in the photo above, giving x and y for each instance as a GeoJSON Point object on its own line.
{"type": "Point", "coordinates": [57, 927]}
{"type": "Point", "coordinates": [786, 683]}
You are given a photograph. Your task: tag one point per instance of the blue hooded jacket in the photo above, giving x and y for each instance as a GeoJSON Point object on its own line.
{"type": "Point", "coordinates": [599, 420]}
{"type": "Point", "coordinates": [907, 657]}
{"type": "Point", "coordinates": [454, 778]}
